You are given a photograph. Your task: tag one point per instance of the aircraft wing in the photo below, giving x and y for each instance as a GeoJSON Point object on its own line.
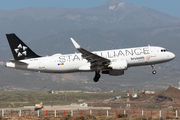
{"type": "Point", "coordinates": [89, 56]}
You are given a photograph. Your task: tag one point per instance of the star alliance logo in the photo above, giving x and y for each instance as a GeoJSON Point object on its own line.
{"type": "Point", "coordinates": [21, 50]}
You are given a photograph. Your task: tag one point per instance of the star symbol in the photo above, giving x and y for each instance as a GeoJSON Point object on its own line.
{"type": "Point", "coordinates": [21, 50]}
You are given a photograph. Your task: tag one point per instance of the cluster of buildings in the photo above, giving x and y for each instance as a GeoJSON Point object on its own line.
{"type": "Point", "coordinates": [66, 91]}
{"type": "Point", "coordinates": [11, 88]}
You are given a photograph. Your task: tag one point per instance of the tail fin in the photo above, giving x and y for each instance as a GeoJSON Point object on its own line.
{"type": "Point", "coordinates": [19, 49]}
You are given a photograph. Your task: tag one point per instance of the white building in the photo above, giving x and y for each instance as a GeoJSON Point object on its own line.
{"type": "Point", "coordinates": [134, 95]}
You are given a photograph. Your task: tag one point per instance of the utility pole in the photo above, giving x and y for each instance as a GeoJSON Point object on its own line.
{"type": "Point", "coordinates": [128, 101]}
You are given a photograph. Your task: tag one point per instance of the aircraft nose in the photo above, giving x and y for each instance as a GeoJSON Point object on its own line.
{"type": "Point", "coordinates": [172, 55]}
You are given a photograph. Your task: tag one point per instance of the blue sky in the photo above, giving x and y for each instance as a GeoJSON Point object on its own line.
{"type": "Point", "coordinates": [171, 7]}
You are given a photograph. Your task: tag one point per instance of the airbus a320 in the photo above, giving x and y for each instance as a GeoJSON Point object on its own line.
{"type": "Point", "coordinates": [112, 62]}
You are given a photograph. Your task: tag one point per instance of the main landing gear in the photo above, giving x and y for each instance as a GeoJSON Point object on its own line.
{"type": "Point", "coordinates": [97, 76]}
{"type": "Point", "coordinates": [153, 71]}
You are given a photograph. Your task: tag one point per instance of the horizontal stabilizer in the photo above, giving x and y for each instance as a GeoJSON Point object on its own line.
{"type": "Point", "coordinates": [18, 62]}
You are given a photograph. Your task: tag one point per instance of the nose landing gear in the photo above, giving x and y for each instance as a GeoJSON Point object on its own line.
{"type": "Point", "coordinates": [153, 71]}
{"type": "Point", "coordinates": [97, 76]}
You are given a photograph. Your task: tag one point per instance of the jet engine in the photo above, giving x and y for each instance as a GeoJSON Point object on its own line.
{"type": "Point", "coordinates": [118, 65]}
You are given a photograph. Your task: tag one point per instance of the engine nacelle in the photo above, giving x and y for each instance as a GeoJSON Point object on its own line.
{"type": "Point", "coordinates": [119, 65]}
{"type": "Point", "coordinates": [114, 72]}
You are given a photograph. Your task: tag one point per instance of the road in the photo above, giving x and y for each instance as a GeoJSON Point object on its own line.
{"type": "Point", "coordinates": [61, 107]}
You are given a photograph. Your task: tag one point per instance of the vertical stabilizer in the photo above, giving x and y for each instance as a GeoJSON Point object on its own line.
{"type": "Point", "coordinates": [19, 49]}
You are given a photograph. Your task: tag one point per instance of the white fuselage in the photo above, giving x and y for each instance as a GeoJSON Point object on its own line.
{"type": "Point", "coordinates": [58, 63]}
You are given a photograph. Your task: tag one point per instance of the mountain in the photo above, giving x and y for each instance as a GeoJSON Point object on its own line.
{"type": "Point", "coordinates": [113, 14]}
{"type": "Point", "coordinates": [111, 25]}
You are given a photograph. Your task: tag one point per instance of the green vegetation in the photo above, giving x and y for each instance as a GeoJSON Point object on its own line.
{"type": "Point", "coordinates": [19, 99]}
{"type": "Point", "coordinates": [152, 106]}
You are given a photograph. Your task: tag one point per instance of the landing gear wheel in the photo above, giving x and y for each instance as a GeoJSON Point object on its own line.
{"type": "Point", "coordinates": [96, 79]}
{"type": "Point", "coordinates": [97, 76]}
{"type": "Point", "coordinates": [154, 72]}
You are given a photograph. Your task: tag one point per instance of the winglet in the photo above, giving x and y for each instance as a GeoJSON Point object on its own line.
{"type": "Point", "coordinates": [75, 43]}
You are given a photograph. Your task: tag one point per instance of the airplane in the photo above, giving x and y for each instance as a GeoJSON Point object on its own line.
{"type": "Point", "coordinates": [112, 62]}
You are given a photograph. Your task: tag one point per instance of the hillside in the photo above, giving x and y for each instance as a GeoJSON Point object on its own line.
{"type": "Point", "coordinates": [171, 94]}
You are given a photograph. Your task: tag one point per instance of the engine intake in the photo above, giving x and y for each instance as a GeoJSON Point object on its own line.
{"type": "Point", "coordinates": [119, 65]}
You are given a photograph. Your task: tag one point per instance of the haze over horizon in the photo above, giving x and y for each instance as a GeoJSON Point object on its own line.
{"type": "Point", "coordinates": [170, 7]}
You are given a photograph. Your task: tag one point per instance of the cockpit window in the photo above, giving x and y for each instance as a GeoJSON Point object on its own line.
{"type": "Point", "coordinates": [163, 50]}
